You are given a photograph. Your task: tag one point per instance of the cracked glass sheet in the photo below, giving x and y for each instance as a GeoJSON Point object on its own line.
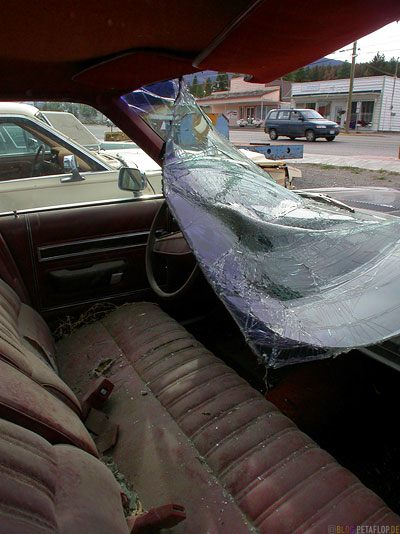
{"type": "Point", "coordinates": [303, 280]}
{"type": "Point", "coordinates": [155, 104]}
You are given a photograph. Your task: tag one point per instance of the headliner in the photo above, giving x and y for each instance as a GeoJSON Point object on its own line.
{"type": "Point", "coordinates": [77, 50]}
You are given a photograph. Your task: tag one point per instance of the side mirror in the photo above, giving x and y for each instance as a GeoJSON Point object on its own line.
{"type": "Point", "coordinates": [301, 118]}
{"type": "Point", "coordinates": [71, 167]}
{"type": "Point", "coordinates": [70, 164]}
{"type": "Point", "coordinates": [131, 179]}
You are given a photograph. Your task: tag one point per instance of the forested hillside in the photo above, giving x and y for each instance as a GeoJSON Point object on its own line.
{"type": "Point", "coordinates": [377, 67]}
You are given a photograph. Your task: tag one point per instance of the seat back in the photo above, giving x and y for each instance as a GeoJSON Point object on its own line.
{"type": "Point", "coordinates": [26, 403]}
{"type": "Point", "coordinates": [54, 489]}
{"type": "Point", "coordinates": [26, 343]}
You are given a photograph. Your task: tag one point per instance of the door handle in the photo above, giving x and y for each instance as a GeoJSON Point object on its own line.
{"type": "Point", "coordinates": [99, 274]}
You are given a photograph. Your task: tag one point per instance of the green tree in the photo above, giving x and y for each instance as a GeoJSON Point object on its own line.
{"type": "Point", "coordinates": [221, 82]}
{"type": "Point", "coordinates": [225, 82]}
{"type": "Point", "coordinates": [52, 106]}
{"type": "Point", "coordinates": [289, 77]}
{"type": "Point", "coordinates": [343, 71]}
{"type": "Point", "coordinates": [196, 89]}
{"type": "Point", "coordinates": [208, 87]}
{"type": "Point", "coordinates": [87, 112]}
{"type": "Point", "coordinates": [200, 91]}
{"type": "Point", "coordinates": [377, 66]}
{"type": "Point", "coordinates": [391, 66]}
{"type": "Point", "coordinates": [329, 73]}
{"type": "Point", "coordinates": [301, 75]}
{"type": "Point", "coordinates": [195, 86]}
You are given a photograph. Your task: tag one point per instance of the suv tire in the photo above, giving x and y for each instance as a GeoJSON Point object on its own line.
{"type": "Point", "coordinates": [273, 135]}
{"type": "Point", "coordinates": [310, 135]}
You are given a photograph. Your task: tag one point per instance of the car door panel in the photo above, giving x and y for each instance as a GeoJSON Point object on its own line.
{"type": "Point", "coordinates": [82, 254]}
{"type": "Point", "coordinates": [283, 122]}
{"type": "Point", "coordinates": [295, 128]}
{"type": "Point", "coordinates": [47, 191]}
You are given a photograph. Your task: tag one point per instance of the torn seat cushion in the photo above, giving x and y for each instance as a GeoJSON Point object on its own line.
{"type": "Point", "coordinates": [54, 489]}
{"type": "Point", "coordinates": [206, 439]}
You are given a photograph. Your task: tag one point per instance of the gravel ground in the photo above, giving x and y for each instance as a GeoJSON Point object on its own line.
{"type": "Point", "coordinates": [328, 176]}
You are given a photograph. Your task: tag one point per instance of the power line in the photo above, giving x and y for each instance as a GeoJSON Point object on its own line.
{"type": "Point", "coordinates": [375, 45]}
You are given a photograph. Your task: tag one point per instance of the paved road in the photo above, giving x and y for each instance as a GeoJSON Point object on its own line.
{"type": "Point", "coordinates": [380, 146]}
{"type": "Point", "coordinates": [366, 151]}
{"type": "Point", "coordinates": [344, 145]}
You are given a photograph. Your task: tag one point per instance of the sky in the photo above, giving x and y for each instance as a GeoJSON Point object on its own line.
{"type": "Point", "coordinates": [386, 40]}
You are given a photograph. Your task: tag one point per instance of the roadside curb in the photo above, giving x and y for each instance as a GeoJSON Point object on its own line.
{"type": "Point", "coordinates": [389, 164]}
{"type": "Point", "coordinates": [363, 134]}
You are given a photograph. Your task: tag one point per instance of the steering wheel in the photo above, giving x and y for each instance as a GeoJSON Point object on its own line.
{"type": "Point", "coordinates": [39, 155]}
{"type": "Point", "coordinates": [172, 244]}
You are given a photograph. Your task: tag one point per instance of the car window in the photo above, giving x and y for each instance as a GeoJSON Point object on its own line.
{"type": "Point", "coordinates": [16, 140]}
{"type": "Point", "coordinates": [37, 171]}
{"type": "Point", "coordinates": [28, 150]}
{"type": "Point", "coordinates": [283, 115]}
{"type": "Point", "coordinates": [295, 116]}
{"type": "Point", "coordinates": [273, 115]}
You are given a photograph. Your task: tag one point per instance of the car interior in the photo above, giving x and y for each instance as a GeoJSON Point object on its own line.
{"type": "Point", "coordinates": [123, 410]}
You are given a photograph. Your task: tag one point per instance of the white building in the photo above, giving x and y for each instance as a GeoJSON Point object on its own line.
{"type": "Point", "coordinates": [375, 102]}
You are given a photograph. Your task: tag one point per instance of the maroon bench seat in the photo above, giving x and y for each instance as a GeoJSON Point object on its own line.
{"type": "Point", "coordinates": [193, 432]}
{"type": "Point", "coordinates": [27, 344]}
{"type": "Point", "coordinates": [54, 489]}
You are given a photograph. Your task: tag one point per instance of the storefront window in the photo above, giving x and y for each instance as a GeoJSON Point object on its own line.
{"type": "Point", "coordinates": [367, 111]}
{"type": "Point", "coordinates": [363, 117]}
{"type": "Point", "coordinates": [324, 108]}
{"type": "Point", "coordinates": [250, 113]}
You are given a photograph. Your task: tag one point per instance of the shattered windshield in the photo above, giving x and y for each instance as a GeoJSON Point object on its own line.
{"type": "Point", "coordinates": [302, 279]}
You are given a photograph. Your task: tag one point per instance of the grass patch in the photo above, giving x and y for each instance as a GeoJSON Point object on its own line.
{"type": "Point", "coordinates": [325, 166]}
{"type": "Point", "coordinates": [355, 170]}
{"type": "Point", "coordinates": [388, 173]}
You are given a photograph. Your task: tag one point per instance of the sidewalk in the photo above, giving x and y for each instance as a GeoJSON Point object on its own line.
{"type": "Point", "coordinates": [372, 163]}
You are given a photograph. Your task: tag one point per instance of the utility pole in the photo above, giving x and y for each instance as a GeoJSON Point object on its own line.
{"type": "Point", "coordinates": [392, 113]}
{"type": "Point", "coordinates": [353, 64]}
